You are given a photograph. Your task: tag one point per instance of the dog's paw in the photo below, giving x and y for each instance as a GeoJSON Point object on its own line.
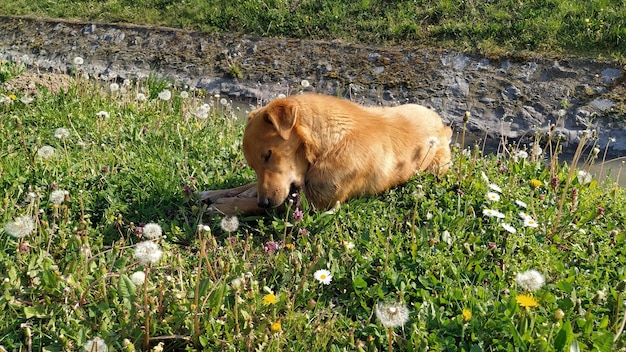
{"type": "Point", "coordinates": [212, 196]}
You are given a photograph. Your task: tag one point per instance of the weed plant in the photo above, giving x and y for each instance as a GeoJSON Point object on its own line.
{"type": "Point", "coordinates": [588, 28]}
{"type": "Point", "coordinates": [106, 248]}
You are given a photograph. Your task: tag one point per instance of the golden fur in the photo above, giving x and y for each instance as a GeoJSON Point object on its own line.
{"type": "Point", "coordinates": [333, 150]}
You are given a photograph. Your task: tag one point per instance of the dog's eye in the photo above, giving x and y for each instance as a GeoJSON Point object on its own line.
{"type": "Point", "coordinates": [267, 155]}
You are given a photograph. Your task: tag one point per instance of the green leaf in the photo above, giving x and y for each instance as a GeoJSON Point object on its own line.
{"type": "Point", "coordinates": [126, 288]}
{"type": "Point", "coordinates": [563, 336]}
{"type": "Point", "coordinates": [359, 282]}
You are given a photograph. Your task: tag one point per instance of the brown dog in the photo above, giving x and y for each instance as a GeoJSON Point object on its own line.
{"type": "Point", "coordinates": [333, 150]}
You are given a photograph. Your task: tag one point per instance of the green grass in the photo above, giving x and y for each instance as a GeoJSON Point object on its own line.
{"type": "Point", "coordinates": [587, 28]}
{"type": "Point", "coordinates": [426, 245]}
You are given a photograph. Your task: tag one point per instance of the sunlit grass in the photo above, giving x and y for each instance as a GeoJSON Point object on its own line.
{"type": "Point", "coordinates": [455, 252]}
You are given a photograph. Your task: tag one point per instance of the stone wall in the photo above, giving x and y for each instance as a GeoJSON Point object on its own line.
{"type": "Point", "coordinates": [510, 95]}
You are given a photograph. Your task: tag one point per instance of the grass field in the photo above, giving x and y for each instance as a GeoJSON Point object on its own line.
{"type": "Point", "coordinates": [592, 28]}
{"type": "Point", "coordinates": [105, 247]}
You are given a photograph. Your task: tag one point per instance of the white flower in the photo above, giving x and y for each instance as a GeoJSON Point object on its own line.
{"type": "Point", "coordinates": [114, 87]}
{"type": "Point", "coordinates": [530, 280]}
{"type": "Point", "coordinates": [495, 187]}
{"type": "Point", "coordinates": [78, 60]}
{"type": "Point", "coordinates": [61, 133]}
{"type": "Point", "coordinates": [447, 237]}
{"type": "Point", "coordinates": [184, 94]}
{"type": "Point", "coordinates": [323, 276]}
{"type": "Point", "coordinates": [280, 96]}
{"type": "Point", "coordinates": [229, 224]}
{"type": "Point", "coordinates": [140, 97]}
{"type": "Point", "coordinates": [57, 197]}
{"type": "Point", "coordinates": [103, 114]}
{"type": "Point", "coordinates": [202, 111]}
{"type": "Point", "coordinates": [165, 95]}
{"type": "Point", "coordinates": [432, 141]}
{"type": "Point", "coordinates": [26, 100]}
{"type": "Point", "coordinates": [147, 252]}
{"type": "Point", "coordinates": [493, 196]}
{"type": "Point", "coordinates": [349, 245]}
{"type": "Point", "coordinates": [392, 314]}
{"type": "Point", "coordinates": [520, 155]}
{"type": "Point", "coordinates": [520, 203]}
{"type": "Point", "coordinates": [21, 227]}
{"type": "Point", "coordinates": [493, 213]}
{"type": "Point", "coordinates": [138, 278]}
{"type": "Point", "coordinates": [96, 344]}
{"type": "Point", "coordinates": [152, 231]}
{"type": "Point", "coordinates": [524, 216]}
{"type": "Point", "coordinates": [536, 151]}
{"type": "Point", "coordinates": [45, 152]}
{"type": "Point", "coordinates": [530, 222]}
{"type": "Point", "coordinates": [508, 227]}
{"type": "Point", "coordinates": [304, 83]}
{"type": "Point", "coordinates": [224, 102]}
{"type": "Point", "coordinates": [584, 177]}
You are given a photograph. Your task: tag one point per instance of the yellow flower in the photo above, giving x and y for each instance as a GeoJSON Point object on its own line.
{"type": "Point", "coordinates": [290, 246]}
{"type": "Point", "coordinates": [12, 96]}
{"type": "Point", "coordinates": [535, 183]}
{"type": "Point", "coordinates": [527, 301]}
{"type": "Point", "coordinates": [467, 314]}
{"type": "Point", "coordinates": [276, 327]}
{"type": "Point", "coordinates": [269, 298]}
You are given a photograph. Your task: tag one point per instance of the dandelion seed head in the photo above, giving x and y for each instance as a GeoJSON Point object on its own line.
{"type": "Point", "coordinates": [78, 61]}
{"type": "Point", "coordinates": [96, 344]}
{"type": "Point", "coordinates": [432, 141]}
{"type": "Point", "coordinates": [152, 231]}
{"type": "Point", "coordinates": [61, 133]}
{"type": "Point", "coordinates": [57, 197]}
{"type": "Point", "coordinates": [138, 278]}
{"type": "Point", "coordinates": [392, 314]}
{"type": "Point", "coordinates": [45, 152]}
{"type": "Point", "coordinates": [147, 252]}
{"type": "Point", "coordinates": [21, 227]}
{"type": "Point", "coordinates": [229, 224]}
{"type": "Point", "coordinates": [305, 83]}
{"type": "Point", "coordinates": [165, 95]}
{"type": "Point", "coordinates": [114, 87]}
{"type": "Point", "coordinates": [184, 94]}
{"type": "Point", "coordinates": [530, 280]}
{"type": "Point", "coordinates": [103, 114]}
{"type": "Point", "coordinates": [140, 97]}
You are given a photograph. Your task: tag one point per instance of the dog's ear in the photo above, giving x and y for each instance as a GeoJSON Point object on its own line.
{"type": "Point", "coordinates": [283, 117]}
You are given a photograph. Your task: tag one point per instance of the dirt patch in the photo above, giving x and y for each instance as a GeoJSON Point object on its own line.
{"type": "Point", "coordinates": [33, 83]}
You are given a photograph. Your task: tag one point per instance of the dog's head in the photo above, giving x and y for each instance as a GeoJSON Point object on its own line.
{"type": "Point", "coordinates": [274, 148]}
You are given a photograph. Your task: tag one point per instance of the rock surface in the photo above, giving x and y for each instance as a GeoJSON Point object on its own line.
{"type": "Point", "coordinates": [511, 96]}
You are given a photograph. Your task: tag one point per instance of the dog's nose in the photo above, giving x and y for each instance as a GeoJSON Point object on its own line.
{"type": "Point", "coordinates": [264, 203]}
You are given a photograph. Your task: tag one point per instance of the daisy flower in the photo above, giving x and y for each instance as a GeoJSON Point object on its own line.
{"type": "Point", "coordinates": [530, 280]}
{"type": "Point", "coordinates": [493, 213]}
{"type": "Point", "coordinates": [495, 187]}
{"type": "Point", "coordinates": [493, 196]}
{"type": "Point", "coordinates": [323, 276]}
{"type": "Point", "coordinates": [508, 227]}
{"type": "Point", "coordinates": [392, 314]}
{"type": "Point", "coordinates": [530, 222]}
{"type": "Point", "coordinates": [520, 203]}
